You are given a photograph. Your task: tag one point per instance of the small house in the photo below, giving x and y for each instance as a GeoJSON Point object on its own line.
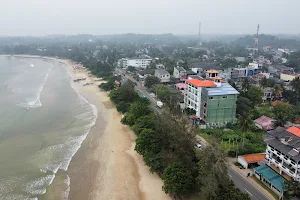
{"type": "Point", "coordinates": [265, 123]}
{"type": "Point", "coordinates": [163, 75]}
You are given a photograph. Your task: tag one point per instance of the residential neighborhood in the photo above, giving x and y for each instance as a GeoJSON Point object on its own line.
{"type": "Point", "coordinates": [225, 104]}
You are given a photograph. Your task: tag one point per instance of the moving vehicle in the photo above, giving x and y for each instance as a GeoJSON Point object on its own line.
{"type": "Point", "coordinates": [159, 104]}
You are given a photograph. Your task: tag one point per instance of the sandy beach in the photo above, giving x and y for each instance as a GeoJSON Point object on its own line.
{"type": "Point", "coordinates": [120, 172]}
{"type": "Point", "coordinates": [106, 165]}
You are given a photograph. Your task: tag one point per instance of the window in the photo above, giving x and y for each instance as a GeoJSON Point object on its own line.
{"type": "Point", "coordinates": [293, 163]}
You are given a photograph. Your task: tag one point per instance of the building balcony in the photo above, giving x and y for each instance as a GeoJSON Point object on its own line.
{"type": "Point", "coordinates": [283, 172]}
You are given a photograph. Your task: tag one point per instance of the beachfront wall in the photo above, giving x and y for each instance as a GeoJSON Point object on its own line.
{"type": "Point", "coordinates": [270, 178]}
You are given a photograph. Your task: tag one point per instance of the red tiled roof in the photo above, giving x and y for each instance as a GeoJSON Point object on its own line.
{"type": "Point", "coordinates": [265, 122]}
{"type": "Point", "coordinates": [253, 158]}
{"type": "Point", "coordinates": [200, 83]}
{"type": "Point", "coordinates": [294, 130]}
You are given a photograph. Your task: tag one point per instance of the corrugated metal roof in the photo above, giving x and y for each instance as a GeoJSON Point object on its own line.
{"type": "Point", "coordinates": [180, 69]}
{"type": "Point", "coordinates": [162, 72]}
{"type": "Point", "coordinates": [224, 89]}
{"type": "Point", "coordinates": [272, 176]}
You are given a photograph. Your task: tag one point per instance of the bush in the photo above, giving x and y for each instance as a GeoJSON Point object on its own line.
{"type": "Point", "coordinates": [231, 154]}
{"type": "Point", "coordinates": [177, 179]}
{"type": "Point", "coordinates": [107, 86]}
{"type": "Point", "coordinates": [128, 119]}
{"type": "Point", "coordinates": [123, 107]}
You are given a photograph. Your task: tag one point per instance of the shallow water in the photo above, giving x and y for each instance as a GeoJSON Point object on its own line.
{"type": "Point", "coordinates": [43, 122]}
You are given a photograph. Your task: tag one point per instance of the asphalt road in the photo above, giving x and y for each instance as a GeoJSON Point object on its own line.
{"type": "Point", "coordinates": [141, 91]}
{"type": "Point", "coordinates": [245, 186]}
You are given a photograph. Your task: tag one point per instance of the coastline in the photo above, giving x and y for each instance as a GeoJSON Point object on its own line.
{"type": "Point", "coordinates": [106, 165]}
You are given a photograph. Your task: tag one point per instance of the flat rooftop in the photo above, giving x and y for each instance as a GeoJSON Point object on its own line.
{"type": "Point", "coordinates": [224, 89]}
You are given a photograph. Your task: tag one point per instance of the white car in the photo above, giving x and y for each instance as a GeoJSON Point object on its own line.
{"type": "Point", "coordinates": [152, 95]}
{"type": "Point", "coordinates": [198, 146]}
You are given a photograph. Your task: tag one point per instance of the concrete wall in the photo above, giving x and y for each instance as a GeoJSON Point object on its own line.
{"type": "Point", "coordinates": [287, 77]}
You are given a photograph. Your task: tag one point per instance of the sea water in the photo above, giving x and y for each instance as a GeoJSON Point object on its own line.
{"type": "Point", "coordinates": [43, 121]}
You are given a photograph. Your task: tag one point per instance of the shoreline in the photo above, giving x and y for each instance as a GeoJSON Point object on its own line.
{"type": "Point", "coordinates": [106, 165]}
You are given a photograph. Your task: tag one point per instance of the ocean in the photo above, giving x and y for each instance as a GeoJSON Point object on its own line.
{"type": "Point", "coordinates": [43, 121]}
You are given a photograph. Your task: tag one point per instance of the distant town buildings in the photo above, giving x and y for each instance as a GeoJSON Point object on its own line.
{"type": "Point", "coordinates": [240, 59]}
{"type": "Point", "coordinates": [243, 72]}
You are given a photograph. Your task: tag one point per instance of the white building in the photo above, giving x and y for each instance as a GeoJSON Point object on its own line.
{"type": "Point", "coordinates": [139, 62]}
{"type": "Point", "coordinates": [240, 59]}
{"type": "Point", "coordinates": [282, 151]}
{"type": "Point", "coordinates": [163, 75]}
{"type": "Point", "coordinates": [179, 73]}
{"type": "Point", "coordinates": [193, 93]}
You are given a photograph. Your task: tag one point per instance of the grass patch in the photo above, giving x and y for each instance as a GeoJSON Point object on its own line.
{"type": "Point", "coordinates": [265, 187]}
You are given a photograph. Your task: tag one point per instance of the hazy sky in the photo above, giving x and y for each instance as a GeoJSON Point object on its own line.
{"type": "Point", "coordinates": [44, 17]}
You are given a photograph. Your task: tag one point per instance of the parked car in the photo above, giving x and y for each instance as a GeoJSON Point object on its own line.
{"type": "Point", "coordinates": [198, 146]}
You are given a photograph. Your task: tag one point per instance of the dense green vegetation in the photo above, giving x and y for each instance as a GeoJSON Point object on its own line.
{"type": "Point", "coordinates": [166, 143]}
{"type": "Point", "coordinates": [238, 142]}
{"type": "Point", "coordinates": [150, 81]}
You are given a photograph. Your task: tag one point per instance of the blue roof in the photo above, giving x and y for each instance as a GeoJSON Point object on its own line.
{"type": "Point", "coordinates": [224, 89]}
{"type": "Point", "coordinates": [273, 177]}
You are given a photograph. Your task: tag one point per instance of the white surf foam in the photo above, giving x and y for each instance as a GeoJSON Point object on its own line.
{"type": "Point", "coordinates": [34, 101]}
{"type": "Point", "coordinates": [38, 186]}
{"type": "Point", "coordinates": [65, 195]}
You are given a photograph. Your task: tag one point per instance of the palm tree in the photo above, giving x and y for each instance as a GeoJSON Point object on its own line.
{"type": "Point", "coordinates": [244, 122]}
{"type": "Point", "coordinates": [263, 82]}
{"type": "Point", "coordinates": [278, 90]}
{"type": "Point", "coordinates": [245, 85]}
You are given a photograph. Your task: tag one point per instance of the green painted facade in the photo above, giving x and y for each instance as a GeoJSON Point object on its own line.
{"type": "Point", "coordinates": [218, 110]}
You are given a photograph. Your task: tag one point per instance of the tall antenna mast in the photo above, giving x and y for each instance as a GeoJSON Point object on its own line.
{"type": "Point", "coordinates": [256, 39]}
{"type": "Point", "coordinates": [200, 43]}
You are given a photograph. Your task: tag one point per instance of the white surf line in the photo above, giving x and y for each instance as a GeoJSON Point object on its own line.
{"type": "Point", "coordinates": [248, 192]}
{"type": "Point", "coordinates": [262, 192]}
